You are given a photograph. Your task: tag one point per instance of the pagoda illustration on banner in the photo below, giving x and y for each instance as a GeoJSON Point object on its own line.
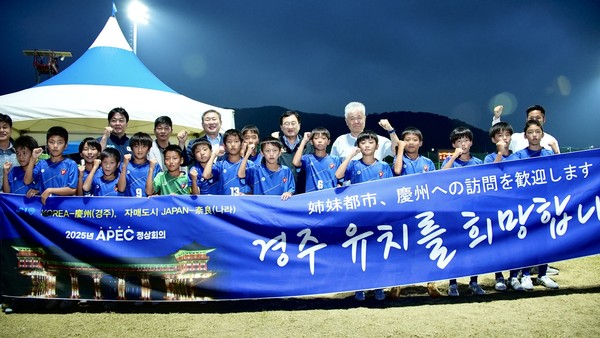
{"type": "Point", "coordinates": [177, 275]}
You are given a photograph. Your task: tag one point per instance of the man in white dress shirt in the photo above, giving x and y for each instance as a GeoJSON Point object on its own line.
{"type": "Point", "coordinates": [355, 115]}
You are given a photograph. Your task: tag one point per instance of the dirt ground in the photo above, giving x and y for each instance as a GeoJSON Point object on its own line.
{"type": "Point", "coordinates": [571, 311]}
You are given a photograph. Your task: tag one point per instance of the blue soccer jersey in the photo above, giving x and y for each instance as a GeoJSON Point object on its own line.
{"type": "Point", "coordinates": [421, 164]}
{"type": "Point", "coordinates": [15, 180]}
{"type": "Point", "coordinates": [357, 171]}
{"type": "Point", "coordinates": [48, 174]}
{"type": "Point", "coordinates": [102, 187]}
{"type": "Point", "coordinates": [256, 158]}
{"type": "Point", "coordinates": [119, 143]}
{"type": "Point", "coordinates": [229, 183]}
{"type": "Point", "coordinates": [266, 182]}
{"type": "Point", "coordinates": [526, 153]}
{"type": "Point", "coordinates": [459, 163]}
{"type": "Point", "coordinates": [491, 157]}
{"type": "Point", "coordinates": [136, 178]}
{"type": "Point", "coordinates": [206, 187]}
{"type": "Point", "coordinates": [320, 171]}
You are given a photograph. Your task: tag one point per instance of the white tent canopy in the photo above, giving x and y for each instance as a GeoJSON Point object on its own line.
{"type": "Point", "coordinates": [106, 76]}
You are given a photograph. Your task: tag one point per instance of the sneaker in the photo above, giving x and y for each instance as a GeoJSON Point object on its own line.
{"type": "Point", "coordinates": [547, 282]}
{"type": "Point", "coordinates": [476, 289]}
{"type": "Point", "coordinates": [433, 291]}
{"type": "Point", "coordinates": [526, 283]}
{"type": "Point", "coordinates": [453, 290]}
{"type": "Point", "coordinates": [515, 285]}
{"type": "Point", "coordinates": [500, 284]}
{"type": "Point", "coordinates": [359, 295]}
{"type": "Point", "coordinates": [379, 294]}
{"type": "Point", "coordinates": [551, 271]}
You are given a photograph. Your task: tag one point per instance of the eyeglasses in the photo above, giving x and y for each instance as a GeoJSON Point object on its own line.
{"type": "Point", "coordinates": [290, 124]}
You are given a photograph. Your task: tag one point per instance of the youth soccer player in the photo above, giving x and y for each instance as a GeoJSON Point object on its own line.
{"type": "Point", "coordinates": [368, 168]}
{"type": "Point", "coordinates": [172, 181]}
{"type": "Point", "coordinates": [462, 140]}
{"type": "Point", "coordinates": [13, 177]}
{"type": "Point", "coordinates": [106, 183]}
{"type": "Point", "coordinates": [56, 175]}
{"type": "Point", "coordinates": [132, 180]}
{"type": "Point", "coordinates": [89, 150]}
{"type": "Point", "coordinates": [225, 171]}
{"type": "Point", "coordinates": [251, 135]}
{"type": "Point", "coordinates": [202, 151]}
{"type": "Point", "coordinates": [269, 177]}
{"type": "Point", "coordinates": [408, 161]}
{"type": "Point", "coordinates": [534, 132]}
{"type": "Point", "coordinates": [501, 134]}
{"type": "Point", "coordinates": [319, 166]}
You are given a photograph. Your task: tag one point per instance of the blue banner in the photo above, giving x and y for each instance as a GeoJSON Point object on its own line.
{"type": "Point", "coordinates": [404, 230]}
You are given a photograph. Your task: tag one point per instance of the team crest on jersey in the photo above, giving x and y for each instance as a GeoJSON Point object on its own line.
{"type": "Point", "coordinates": [381, 174]}
{"type": "Point", "coordinates": [331, 165]}
{"type": "Point", "coordinates": [425, 168]}
{"type": "Point", "coordinates": [63, 171]}
{"type": "Point", "coordinates": [284, 179]}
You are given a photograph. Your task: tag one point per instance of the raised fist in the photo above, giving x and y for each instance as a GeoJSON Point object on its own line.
{"type": "Point", "coordinates": [385, 124]}
{"type": "Point", "coordinates": [498, 111]}
{"type": "Point", "coordinates": [37, 152]}
{"type": "Point", "coordinates": [182, 136]}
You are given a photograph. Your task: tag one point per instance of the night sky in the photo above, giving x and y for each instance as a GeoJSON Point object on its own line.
{"type": "Point", "coordinates": [454, 58]}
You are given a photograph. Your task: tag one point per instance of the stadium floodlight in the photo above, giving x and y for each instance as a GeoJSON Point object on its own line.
{"type": "Point", "coordinates": [138, 13]}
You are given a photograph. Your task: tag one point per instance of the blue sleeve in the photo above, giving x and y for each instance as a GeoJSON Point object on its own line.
{"type": "Point", "coordinates": [249, 180]}
{"type": "Point", "coordinates": [349, 170]}
{"type": "Point", "coordinates": [73, 175]}
{"type": "Point", "coordinates": [431, 164]}
{"type": "Point", "coordinates": [387, 170]}
{"type": "Point", "coordinates": [291, 184]}
{"type": "Point", "coordinates": [446, 160]}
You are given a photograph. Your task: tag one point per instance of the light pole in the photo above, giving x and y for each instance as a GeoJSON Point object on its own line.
{"type": "Point", "coordinates": [138, 13]}
{"type": "Point", "coordinates": [436, 160]}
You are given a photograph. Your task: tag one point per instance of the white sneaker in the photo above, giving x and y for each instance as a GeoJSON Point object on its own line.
{"type": "Point", "coordinates": [500, 284]}
{"type": "Point", "coordinates": [550, 271]}
{"type": "Point", "coordinates": [526, 283]}
{"type": "Point", "coordinates": [547, 282]}
{"type": "Point", "coordinates": [476, 289]}
{"type": "Point", "coordinates": [453, 290]}
{"type": "Point", "coordinates": [515, 285]}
